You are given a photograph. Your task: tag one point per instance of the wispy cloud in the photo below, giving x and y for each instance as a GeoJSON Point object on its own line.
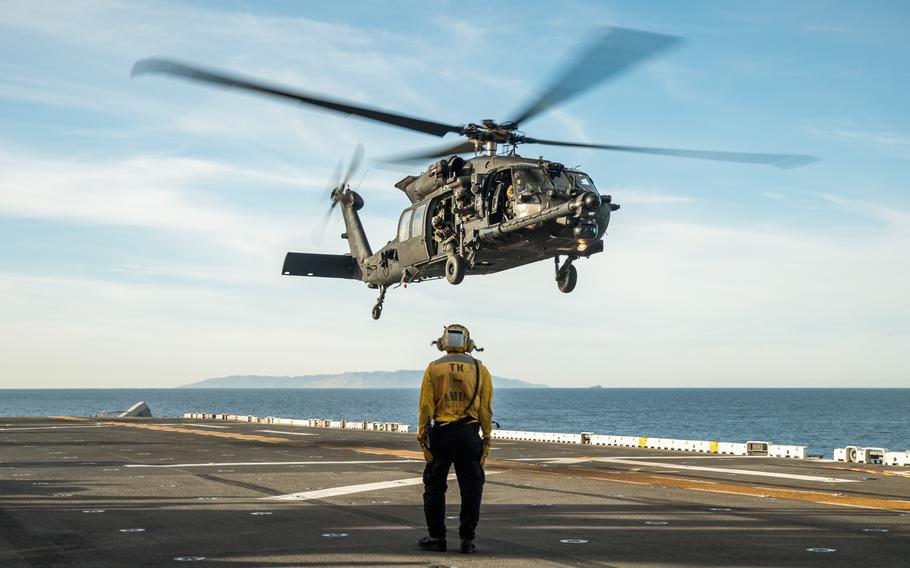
{"type": "Point", "coordinates": [893, 143]}
{"type": "Point", "coordinates": [891, 215]}
{"type": "Point", "coordinates": [149, 191]}
{"type": "Point", "coordinates": [645, 196]}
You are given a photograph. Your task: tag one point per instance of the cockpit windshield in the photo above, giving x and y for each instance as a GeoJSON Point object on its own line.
{"type": "Point", "coordinates": [561, 180]}
{"type": "Point", "coordinates": [583, 181]}
{"type": "Point", "coordinates": [530, 180]}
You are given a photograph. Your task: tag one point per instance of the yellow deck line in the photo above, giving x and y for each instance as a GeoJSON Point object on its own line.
{"type": "Point", "coordinates": [245, 437]}
{"type": "Point", "coordinates": [72, 418]}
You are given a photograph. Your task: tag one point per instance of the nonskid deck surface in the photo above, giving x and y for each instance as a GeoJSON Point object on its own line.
{"type": "Point", "coordinates": [103, 492]}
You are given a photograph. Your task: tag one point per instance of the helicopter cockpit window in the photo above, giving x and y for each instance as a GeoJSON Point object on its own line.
{"type": "Point", "coordinates": [530, 181]}
{"type": "Point", "coordinates": [583, 181]}
{"type": "Point", "coordinates": [404, 226]}
{"type": "Point", "coordinates": [561, 180]}
{"type": "Point", "coordinates": [419, 223]}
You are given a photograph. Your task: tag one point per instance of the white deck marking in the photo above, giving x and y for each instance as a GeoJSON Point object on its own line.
{"type": "Point", "coordinates": [564, 461]}
{"type": "Point", "coordinates": [233, 464]}
{"type": "Point", "coordinates": [284, 432]}
{"type": "Point", "coordinates": [349, 489]}
{"type": "Point", "coordinates": [50, 427]}
{"type": "Point", "coordinates": [728, 470]}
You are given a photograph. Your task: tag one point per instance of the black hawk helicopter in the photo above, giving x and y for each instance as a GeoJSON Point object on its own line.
{"type": "Point", "coordinates": [494, 210]}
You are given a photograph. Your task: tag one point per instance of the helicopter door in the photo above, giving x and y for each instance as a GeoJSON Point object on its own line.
{"type": "Point", "coordinates": [412, 241]}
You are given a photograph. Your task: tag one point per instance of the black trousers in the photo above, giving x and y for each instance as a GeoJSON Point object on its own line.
{"type": "Point", "coordinates": [457, 443]}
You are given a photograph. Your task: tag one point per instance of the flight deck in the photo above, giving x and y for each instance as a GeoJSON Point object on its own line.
{"type": "Point", "coordinates": [153, 492]}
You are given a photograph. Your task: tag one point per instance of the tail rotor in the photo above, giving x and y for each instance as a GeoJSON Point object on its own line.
{"type": "Point", "coordinates": [337, 189]}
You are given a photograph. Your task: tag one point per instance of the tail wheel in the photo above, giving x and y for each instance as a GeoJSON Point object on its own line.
{"type": "Point", "coordinates": [454, 269]}
{"type": "Point", "coordinates": [567, 279]}
{"type": "Point", "coordinates": [377, 311]}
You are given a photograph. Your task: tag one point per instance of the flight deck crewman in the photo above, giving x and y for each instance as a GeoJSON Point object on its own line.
{"type": "Point", "coordinates": [456, 399]}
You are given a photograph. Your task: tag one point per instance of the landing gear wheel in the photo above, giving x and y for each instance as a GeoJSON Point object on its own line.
{"type": "Point", "coordinates": [566, 279]}
{"type": "Point", "coordinates": [454, 269]}
{"type": "Point", "coordinates": [377, 308]}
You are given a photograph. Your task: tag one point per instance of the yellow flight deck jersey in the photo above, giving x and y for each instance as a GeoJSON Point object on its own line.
{"type": "Point", "coordinates": [448, 386]}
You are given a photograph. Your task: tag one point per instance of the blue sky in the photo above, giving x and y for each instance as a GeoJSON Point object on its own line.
{"type": "Point", "coordinates": [143, 222]}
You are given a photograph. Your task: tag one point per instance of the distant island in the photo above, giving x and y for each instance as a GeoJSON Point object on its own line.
{"type": "Point", "coordinates": [349, 380]}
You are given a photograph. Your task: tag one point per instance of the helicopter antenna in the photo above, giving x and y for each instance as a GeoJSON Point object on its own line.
{"type": "Point", "coordinates": [361, 180]}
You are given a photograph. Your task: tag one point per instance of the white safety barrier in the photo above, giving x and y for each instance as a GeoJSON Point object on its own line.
{"type": "Point", "coordinates": [702, 446]}
{"type": "Point", "coordinates": [732, 449]}
{"type": "Point", "coordinates": [505, 434]}
{"type": "Point", "coordinates": [897, 458]}
{"type": "Point", "coordinates": [542, 436]}
{"type": "Point", "coordinates": [783, 451]}
{"type": "Point", "coordinates": [854, 454]}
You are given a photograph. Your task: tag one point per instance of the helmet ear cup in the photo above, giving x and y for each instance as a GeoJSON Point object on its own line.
{"type": "Point", "coordinates": [440, 342]}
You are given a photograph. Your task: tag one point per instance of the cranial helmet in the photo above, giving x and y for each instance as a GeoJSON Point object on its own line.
{"type": "Point", "coordinates": [455, 339]}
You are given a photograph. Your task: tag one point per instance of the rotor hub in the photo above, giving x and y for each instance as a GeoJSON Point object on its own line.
{"type": "Point", "coordinates": [490, 131]}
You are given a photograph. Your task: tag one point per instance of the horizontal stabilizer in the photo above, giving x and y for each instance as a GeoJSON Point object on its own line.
{"type": "Point", "coordinates": [320, 265]}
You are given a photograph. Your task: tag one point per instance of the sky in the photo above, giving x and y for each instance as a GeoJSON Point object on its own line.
{"type": "Point", "coordinates": [143, 222]}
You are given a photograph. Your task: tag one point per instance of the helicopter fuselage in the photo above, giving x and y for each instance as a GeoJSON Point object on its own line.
{"type": "Point", "coordinates": [496, 212]}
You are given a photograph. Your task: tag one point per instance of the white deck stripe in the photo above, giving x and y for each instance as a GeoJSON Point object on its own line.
{"type": "Point", "coordinates": [349, 489]}
{"type": "Point", "coordinates": [285, 432]}
{"type": "Point", "coordinates": [235, 464]}
{"type": "Point", "coordinates": [679, 466]}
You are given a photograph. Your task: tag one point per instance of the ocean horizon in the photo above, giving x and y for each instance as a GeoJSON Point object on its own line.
{"type": "Point", "coordinates": [821, 419]}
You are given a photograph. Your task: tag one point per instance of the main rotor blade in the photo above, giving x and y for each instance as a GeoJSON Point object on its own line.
{"type": "Point", "coordinates": [169, 67]}
{"type": "Point", "coordinates": [463, 147]}
{"type": "Point", "coordinates": [777, 160]}
{"type": "Point", "coordinates": [610, 53]}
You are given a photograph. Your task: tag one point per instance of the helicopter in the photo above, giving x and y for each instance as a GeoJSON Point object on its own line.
{"type": "Point", "coordinates": [494, 209]}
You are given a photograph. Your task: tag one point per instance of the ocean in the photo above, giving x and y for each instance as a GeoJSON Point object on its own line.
{"type": "Point", "coordinates": [821, 419]}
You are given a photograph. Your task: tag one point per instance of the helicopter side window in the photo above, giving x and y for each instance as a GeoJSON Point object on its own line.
{"type": "Point", "coordinates": [496, 191]}
{"type": "Point", "coordinates": [404, 226]}
{"type": "Point", "coordinates": [419, 222]}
